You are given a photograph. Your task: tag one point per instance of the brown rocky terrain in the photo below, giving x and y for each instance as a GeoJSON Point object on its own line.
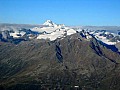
{"type": "Point", "coordinates": [72, 63]}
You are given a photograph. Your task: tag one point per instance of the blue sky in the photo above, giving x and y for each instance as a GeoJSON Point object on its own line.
{"type": "Point", "coordinates": [69, 12]}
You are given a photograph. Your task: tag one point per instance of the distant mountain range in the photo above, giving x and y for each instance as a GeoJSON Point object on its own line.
{"type": "Point", "coordinates": [20, 32]}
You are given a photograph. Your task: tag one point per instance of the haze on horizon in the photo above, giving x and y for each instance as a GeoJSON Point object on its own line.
{"type": "Point", "coordinates": [69, 12]}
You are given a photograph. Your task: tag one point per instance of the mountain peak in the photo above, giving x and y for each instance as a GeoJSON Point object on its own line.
{"type": "Point", "coordinates": [50, 23]}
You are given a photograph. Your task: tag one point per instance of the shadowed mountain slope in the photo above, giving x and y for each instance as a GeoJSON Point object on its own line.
{"type": "Point", "coordinates": [69, 63]}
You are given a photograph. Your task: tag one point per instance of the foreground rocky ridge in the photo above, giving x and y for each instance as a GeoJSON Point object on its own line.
{"type": "Point", "coordinates": [69, 63]}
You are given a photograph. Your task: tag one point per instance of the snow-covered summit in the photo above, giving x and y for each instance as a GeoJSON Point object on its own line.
{"type": "Point", "coordinates": [54, 31]}
{"type": "Point", "coordinates": [50, 23]}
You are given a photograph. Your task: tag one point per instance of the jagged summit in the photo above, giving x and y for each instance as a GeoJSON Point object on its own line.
{"type": "Point", "coordinates": [50, 23]}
